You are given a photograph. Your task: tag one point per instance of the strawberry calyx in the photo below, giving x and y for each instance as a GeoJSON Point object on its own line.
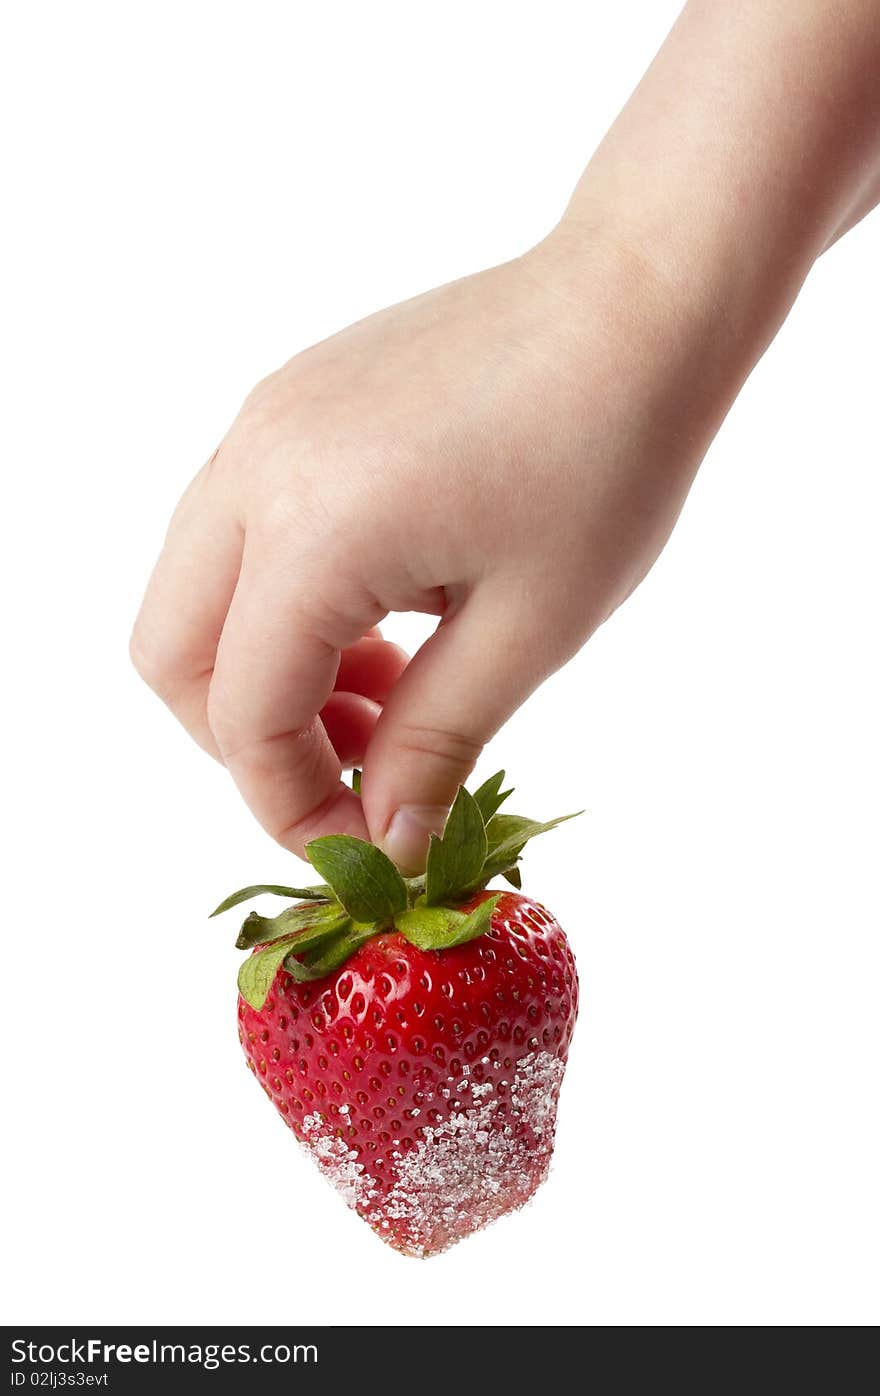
{"type": "Point", "coordinates": [363, 894]}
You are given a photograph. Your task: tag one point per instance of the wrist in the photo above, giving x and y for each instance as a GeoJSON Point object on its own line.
{"type": "Point", "coordinates": [668, 339]}
{"type": "Point", "coordinates": [737, 160]}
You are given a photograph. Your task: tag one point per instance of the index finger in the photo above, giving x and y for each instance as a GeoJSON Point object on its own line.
{"type": "Point", "coordinates": [275, 669]}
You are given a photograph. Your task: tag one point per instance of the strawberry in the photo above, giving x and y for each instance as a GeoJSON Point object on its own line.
{"type": "Point", "coordinates": [413, 1033]}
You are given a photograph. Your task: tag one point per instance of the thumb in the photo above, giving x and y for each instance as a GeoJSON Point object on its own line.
{"type": "Point", "coordinates": [461, 686]}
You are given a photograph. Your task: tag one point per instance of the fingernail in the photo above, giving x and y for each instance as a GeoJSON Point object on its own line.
{"type": "Point", "coordinates": [406, 841]}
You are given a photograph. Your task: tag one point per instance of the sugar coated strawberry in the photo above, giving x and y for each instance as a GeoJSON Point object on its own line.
{"type": "Point", "coordinates": [414, 1032]}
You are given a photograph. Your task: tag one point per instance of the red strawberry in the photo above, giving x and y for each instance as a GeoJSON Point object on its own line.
{"type": "Point", "coordinates": [417, 1051]}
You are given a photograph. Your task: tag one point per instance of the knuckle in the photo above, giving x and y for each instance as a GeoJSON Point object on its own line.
{"type": "Point", "coordinates": [339, 619]}
{"type": "Point", "coordinates": [260, 401]}
{"type": "Point", "coordinates": [221, 723]}
{"type": "Point", "coordinates": [306, 826]}
{"type": "Point", "coordinates": [454, 749]}
{"type": "Point", "coordinates": [241, 733]}
{"type": "Point", "coordinates": [147, 661]}
{"type": "Point", "coordinates": [280, 520]}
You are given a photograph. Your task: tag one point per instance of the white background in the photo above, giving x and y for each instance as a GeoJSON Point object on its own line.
{"type": "Point", "coordinates": [194, 192]}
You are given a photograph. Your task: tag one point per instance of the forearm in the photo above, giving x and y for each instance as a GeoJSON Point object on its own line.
{"type": "Point", "coordinates": [751, 144]}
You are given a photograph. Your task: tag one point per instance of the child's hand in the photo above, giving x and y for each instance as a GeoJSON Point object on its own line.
{"type": "Point", "coordinates": [502, 452]}
{"type": "Point", "coordinates": [508, 452]}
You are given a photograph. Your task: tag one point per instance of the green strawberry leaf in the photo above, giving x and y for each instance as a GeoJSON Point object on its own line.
{"type": "Point", "coordinates": [315, 939]}
{"type": "Point", "coordinates": [497, 867]}
{"type": "Point", "coordinates": [457, 858]}
{"type": "Point", "coordinates": [513, 876]}
{"type": "Point", "coordinates": [441, 927]}
{"type": "Point", "coordinates": [490, 797]}
{"type": "Point", "coordinates": [356, 777]}
{"type": "Point", "coordinates": [507, 834]}
{"type": "Point", "coordinates": [366, 881]}
{"type": "Point", "coordinates": [423, 925]}
{"type": "Point", "coordinates": [256, 974]}
{"type": "Point", "coordinates": [301, 894]}
{"type": "Point", "coordinates": [261, 930]}
{"type": "Point", "coordinates": [326, 945]}
{"type": "Point", "coordinates": [331, 954]}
